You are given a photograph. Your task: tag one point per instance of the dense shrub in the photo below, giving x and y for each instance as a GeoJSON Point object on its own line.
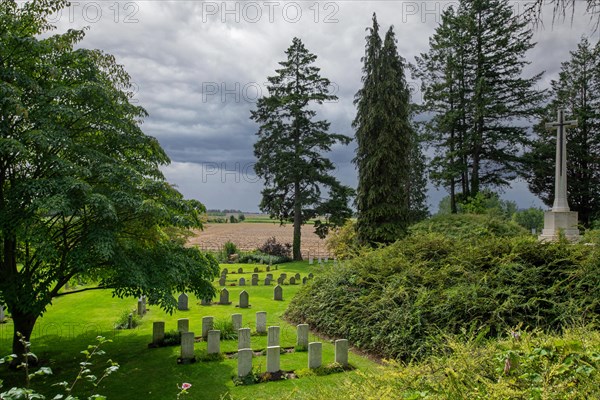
{"type": "Point", "coordinates": [534, 366]}
{"type": "Point", "coordinates": [225, 326]}
{"type": "Point", "coordinates": [394, 301]}
{"type": "Point", "coordinates": [274, 248]}
{"type": "Point", "coordinates": [343, 242]}
{"type": "Point", "coordinates": [466, 226]}
{"type": "Point", "coordinates": [123, 321]}
{"type": "Point", "coordinates": [230, 248]}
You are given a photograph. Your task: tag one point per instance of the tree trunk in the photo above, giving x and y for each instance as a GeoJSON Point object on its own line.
{"type": "Point", "coordinates": [296, 250]}
{"type": "Point", "coordinates": [23, 324]}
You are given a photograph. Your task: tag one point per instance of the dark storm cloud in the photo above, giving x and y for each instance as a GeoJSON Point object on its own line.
{"type": "Point", "coordinates": [198, 67]}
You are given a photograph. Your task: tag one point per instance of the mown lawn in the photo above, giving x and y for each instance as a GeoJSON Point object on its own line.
{"type": "Point", "coordinates": [73, 322]}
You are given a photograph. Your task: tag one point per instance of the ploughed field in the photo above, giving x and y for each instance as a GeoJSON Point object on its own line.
{"type": "Point", "coordinates": [249, 236]}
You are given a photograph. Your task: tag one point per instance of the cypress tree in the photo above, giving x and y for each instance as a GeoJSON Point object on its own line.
{"type": "Point", "coordinates": [386, 144]}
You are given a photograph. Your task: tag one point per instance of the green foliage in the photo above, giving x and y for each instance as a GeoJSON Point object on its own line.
{"type": "Point", "coordinates": [391, 185]}
{"type": "Point", "coordinates": [205, 357]}
{"type": "Point", "coordinates": [465, 226]}
{"type": "Point", "coordinates": [172, 338]}
{"type": "Point", "coordinates": [230, 248]}
{"type": "Point", "coordinates": [574, 91]}
{"type": "Point", "coordinates": [233, 219]}
{"type": "Point", "coordinates": [272, 247]}
{"type": "Point", "coordinates": [241, 217]}
{"type": "Point", "coordinates": [291, 148]}
{"type": "Point", "coordinates": [253, 377]}
{"type": "Point", "coordinates": [343, 242]}
{"type": "Point", "coordinates": [333, 368]}
{"type": "Point", "coordinates": [531, 218]}
{"type": "Point", "coordinates": [216, 220]}
{"type": "Point", "coordinates": [82, 192]}
{"type": "Point", "coordinates": [395, 301]}
{"type": "Point", "coordinates": [123, 321]}
{"type": "Point", "coordinates": [475, 92]}
{"type": "Point", "coordinates": [535, 366]}
{"type": "Point", "coordinates": [225, 326]}
{"type": "Point", "coordinates": [85, 373]}
{"type": "Point", "coordinates": [260, 258]}
{"type": "Point", "coordinates": [488, 202]}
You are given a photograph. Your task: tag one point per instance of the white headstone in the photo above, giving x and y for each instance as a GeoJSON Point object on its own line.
{"type": "Point", "coordinates": [236, 320]}
{"type": "Point", "coordinates": [207, 325]}
{"type": "Point", "coordinates": [315, 354]}
{"type": "Point", "coordinates": [187, 346]}
{"type": "Point", "coordinates": [214, 342]}
{"type": "Point", "coordinates": [341, 352]}
{"type": "Point", "coordinates": [244, 362]}
{"type": "Point", "coordinates": [140, 307]}
{"type": "Point", "coordinates": [302, 331]}
{"type": "Point", "coordinates": [244, 338]}
{"type": "Point", "coordinates": [182, 302]}
{"type": "Point", "coordinates": [278, 293]}
{"type": "Point", "coordinates": [158, 332]}
{"type": "Point", "coordinates": [244, 299]}
{"type": "Point", "coordinates": [261, 322]}
{"type": "Point", "coordinates": [273, 357]}
{"type": "Point", "coordinates": [224, 297]}
{"type": "Point", "coordinates": [273, 336]}
{"type": "Point", "coordinates": [183, 325]}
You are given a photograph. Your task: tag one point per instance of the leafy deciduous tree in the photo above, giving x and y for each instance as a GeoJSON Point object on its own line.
{"type": "Point", "coordinates": [81, 193]}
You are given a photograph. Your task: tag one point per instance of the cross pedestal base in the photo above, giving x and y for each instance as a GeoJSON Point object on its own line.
{"type": "Point", "coordinates": [563, 221]}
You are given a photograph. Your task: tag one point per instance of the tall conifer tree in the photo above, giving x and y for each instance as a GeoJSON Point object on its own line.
{"type": "Point", "coordinates": [472, 82]}
{"type": "Point", "coordinates": [386, 143]}
{"type": "Point", "coordinates": [291, 146]}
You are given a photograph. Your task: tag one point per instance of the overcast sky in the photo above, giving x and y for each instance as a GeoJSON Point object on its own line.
{"type": "Point", "coordinates": [199, 66]}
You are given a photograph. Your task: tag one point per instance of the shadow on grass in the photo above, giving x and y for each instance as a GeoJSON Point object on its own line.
{"type": "Point", "coordinates": [143, 374]}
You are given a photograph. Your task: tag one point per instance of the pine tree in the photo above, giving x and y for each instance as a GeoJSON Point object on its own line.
{"type": "Point", "coordinates": [389, 194]}
{"type": "Point", "coordinates": [290, 148]}
{"type": "Point", "coordinates": [472, 82]}
{"type": "Point", "coordinates": [577, 91]}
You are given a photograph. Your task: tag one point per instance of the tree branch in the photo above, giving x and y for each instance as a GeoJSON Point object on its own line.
{"type": "Point", "coordinates": [80, 290]}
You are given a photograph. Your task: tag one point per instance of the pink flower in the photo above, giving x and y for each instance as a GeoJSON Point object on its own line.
{"type": "Point", "coordinates": [186, 386]}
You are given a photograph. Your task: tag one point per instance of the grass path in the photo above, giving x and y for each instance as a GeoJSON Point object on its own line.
{"type": "Point", "coordinates": [73, 322]}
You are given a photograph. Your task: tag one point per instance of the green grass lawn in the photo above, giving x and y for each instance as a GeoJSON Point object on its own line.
{"type": "Point", "coordinates": [73, 322]}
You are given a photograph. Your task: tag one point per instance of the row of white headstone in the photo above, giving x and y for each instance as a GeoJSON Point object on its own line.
{"type": "Point", "coordinates": [183, 325]}
{"type": "Point", "coordinates": [311, 260]}
{"type": "Point", "coordinates": [315, 356]}
{"type": "Point", "coordinates": [244, 302]}
{"type": "Point", "coordinates": [245, 353]}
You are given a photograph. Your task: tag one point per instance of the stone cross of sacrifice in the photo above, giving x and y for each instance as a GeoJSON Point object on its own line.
{"type": "Point", "coordinates": [560, 174]}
